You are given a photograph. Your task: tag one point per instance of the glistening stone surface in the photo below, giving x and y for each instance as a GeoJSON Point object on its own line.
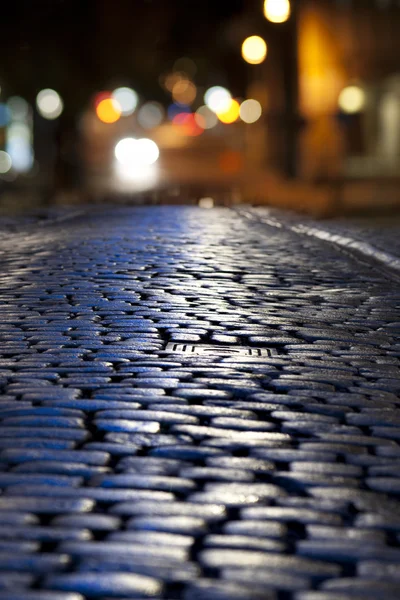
{"type": "Point", "coordinates": [263, 464]}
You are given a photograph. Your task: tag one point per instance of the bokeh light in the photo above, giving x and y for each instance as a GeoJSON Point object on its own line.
{"type": "Point", "coordinates": [189, 125]}
{"type": "Point", "coordinates": [108, 111]}
{"type": "Point", "coordinates": [231, 115]}
{"type": "Point", "coordinates": [176, 109]}
{"type": "Point", "coordinates": [5, 162]}
{"type": "Point", "coordinates": [5, 115]}
{"type": "Point", "coordinates": [254, 50]}
{"type": "Point", "coordinates": [150, 115]}
{"type": "Point", "coordinates": [127, 99]}
{"type": "Point", "coordinates": [19, 146]}
{"type": "Point", "coordinates": [206, 202]}
{"type": "Point", "coordinates": [49, 104]}
{"type": "Point", "coordinates": [184, 92]}
{"type": "Point", "coordinates": [185, 65]}
{"type": "Point", "coordinates": [250, 111]}
{"type": "Point", "coordinates": [172, 78]}
{"type": "Point", "coordinates": [205, 117]}
{"type": "Point", "coordinates": [277, 11]}
{"type": "Point", "coordinates": [19, 108]}
{"type": "Point", "coordinates": [352, 99]}
{"type": "Point", "coordinates": [217, 98]}
{"type": "Point", "coordinates": [131, 152]}
{"type": "Point", "coordinates": [104, 95]}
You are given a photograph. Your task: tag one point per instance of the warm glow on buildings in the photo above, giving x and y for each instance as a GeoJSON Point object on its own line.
{"type": "Point", "coordinates": [322, 75]}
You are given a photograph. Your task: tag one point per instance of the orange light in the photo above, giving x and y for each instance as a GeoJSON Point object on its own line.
{"type": "Point", "coordinates": [231, 115]}
{"type": "Point", "coordinates": [108, 110]}
{"type": "Point", "coordinates": [184, 91]}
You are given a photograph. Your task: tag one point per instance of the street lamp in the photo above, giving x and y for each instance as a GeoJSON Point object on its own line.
{"type": "Point", "coordinates": [352, 99]}
{"type": "Point", "coordinates": [254, 50]}
{"type": "Point", "coordinates": [277, 11]}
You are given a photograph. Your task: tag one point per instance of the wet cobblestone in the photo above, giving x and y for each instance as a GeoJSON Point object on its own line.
{"type": "Point", "coordinates": [130, 470]}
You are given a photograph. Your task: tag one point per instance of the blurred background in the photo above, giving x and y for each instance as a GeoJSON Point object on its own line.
{"type": "Point", "coordinates": [287, 102]}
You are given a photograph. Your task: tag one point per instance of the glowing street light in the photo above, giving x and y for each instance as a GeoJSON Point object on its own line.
{"type": "Point", "coordinates": [352, 99]}
{"type": "Point", "coordinates": [218, 99]}
{"type": "Point", "coordinates": [231, 115]}
{"type": "Point", "coordinates": [5, 162]}
{"type": "Point", "coordinates": [127, 99]}
{"type": "Point", "coordinates": [49, 104]}
{"type": "Point", "coordinates": [108, 110]}
{"type": "Point", "coordinates": [133, 153]}
{"type": "Point", "coordinates": [277, 11]}
{"type": "Point", "coordinates": [254, 50]}
{"type": "Point", "coordinates": [250, 111]}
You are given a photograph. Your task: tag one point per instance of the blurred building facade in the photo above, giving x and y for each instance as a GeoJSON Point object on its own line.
{"type": "Point", "coordinates": [343, 43]}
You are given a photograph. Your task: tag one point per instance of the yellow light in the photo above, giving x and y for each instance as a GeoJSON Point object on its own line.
{"type": "Point", "coordinates": [277, 11]}
{"type": "Point", "coordinates": [108, 110]}
{"type": "Point", "coordinates": [254, 50]}
{"type": "Point", "coordinates": [231, 115]}
{"type": "Point", "coordinates": [352, 99]}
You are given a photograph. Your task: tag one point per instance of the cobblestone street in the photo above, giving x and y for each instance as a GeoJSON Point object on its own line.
{"type": "Point", "coordinates": [196, 405]}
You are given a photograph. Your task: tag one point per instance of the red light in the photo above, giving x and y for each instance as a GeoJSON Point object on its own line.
{"type": "Point", "coordinates": [189, 124]}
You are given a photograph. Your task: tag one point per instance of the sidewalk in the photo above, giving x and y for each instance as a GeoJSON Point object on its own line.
{"type": "Point", "coordinates": [196, 405]}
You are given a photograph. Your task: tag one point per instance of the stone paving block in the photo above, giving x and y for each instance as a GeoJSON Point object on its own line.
{"type": "Point", "coordinates": [16, 546]}
{"type": "Point", "coordinates": [63, 433]}
{"type": "Point", "coordinates": [240, 559]}
{"type": "Point", "coordinates": [207, 512]}
{"type": "Point", "coordinates": [330, 595]}
{"type": "Point", "coordinates": [41, 505]}
{"type": "Point", "coordinates": [180, 524]}
{"type": "Point", "coordinates": [151, 464]}
{"type": "Point", "coordinates": [243, 541]}
{"type": "Point", "coordinates": [116, 585]}
{"type": "Point", "coordinates": [285, 514]}
{"type": "Point", "coordinates": [123, 549]}
{"type": "Point", "coordinates": [39, 595]}
{"type": "Point", "coordinates": [106, 496]}
{"type": "Point", "coordinates": [33, 562]}
{"type": "Point", "coordinates": [206, 589]}
{"type": "Point", "coordinates": [152, 538]}
{"type": "Point", "coordinates": [268, 578]}
{"type": "Point", "coordinates": [372, 569]}
{"type": "Point", "coordinates": [215, 474]}
{"type": "Point", "coordinates": [10, 580]}
{"type": "Point", "coordinates": [346, 550]}
{"type": "Point", "coordinates": [153, 482]}
{"type": "Point", "coordinates": [89, 521]}
{"type": "Point", "coordinates": [75, 456]}
{"type": "Point", "coordinates": [368, 587]}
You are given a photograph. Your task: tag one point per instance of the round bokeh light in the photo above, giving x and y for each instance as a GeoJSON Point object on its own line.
{"type": "Point", "coordinates": [49, 104]}
{"type": "Point", "coordinates": [127, 100]}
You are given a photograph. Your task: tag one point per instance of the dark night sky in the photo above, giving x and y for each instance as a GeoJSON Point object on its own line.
{"type": "Point", "coordinates": [80, 46]}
